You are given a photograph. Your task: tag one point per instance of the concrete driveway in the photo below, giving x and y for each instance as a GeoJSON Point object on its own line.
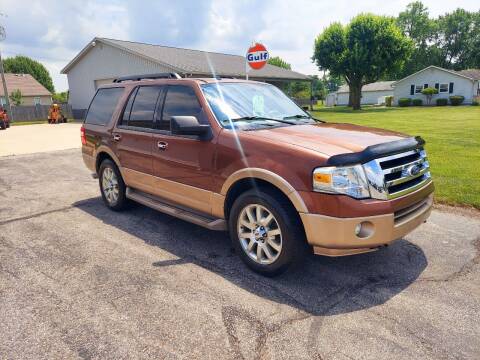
{"type": "Point", "coordinates": [80, 281]}
{"type": "Point", "coordinates": [29, 139]}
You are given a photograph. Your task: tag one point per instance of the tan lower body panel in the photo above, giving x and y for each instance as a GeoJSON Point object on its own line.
{"type": "Point", "coordinates": [195, 198]}
{"type": "Point", "coordinates": [337, 236]}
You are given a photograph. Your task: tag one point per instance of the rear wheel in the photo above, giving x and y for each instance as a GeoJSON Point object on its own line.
{"type": "Point", "coordinates": [266, 232]}
{"type": "Point", "coordinates": [3, 126]}
{"type": "Point", "coordinates": [112, 187]}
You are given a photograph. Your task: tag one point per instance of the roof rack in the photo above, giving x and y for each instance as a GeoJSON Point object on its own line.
{"type": "Point", "coordinates": [171, 75]}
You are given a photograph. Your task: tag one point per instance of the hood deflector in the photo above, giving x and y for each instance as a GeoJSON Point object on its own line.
{"type": "Point", "coordinates": [376, 151]}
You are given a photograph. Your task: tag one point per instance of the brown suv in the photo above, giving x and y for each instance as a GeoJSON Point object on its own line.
{"type": "Point", "coordinates": [240, 155]}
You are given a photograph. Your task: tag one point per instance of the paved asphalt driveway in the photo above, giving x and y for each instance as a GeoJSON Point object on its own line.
{"type": "Point", "coordinates": [80, 281]}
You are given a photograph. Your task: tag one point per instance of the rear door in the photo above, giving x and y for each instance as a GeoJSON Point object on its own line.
{"type": "Point", "coordinates": [133, 137]}
{"type": "Point", "coordinates": [182, 164]}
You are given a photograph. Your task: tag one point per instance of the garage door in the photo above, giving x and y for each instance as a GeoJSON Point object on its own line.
{"type": "Point", "coordinates": [101, 82]}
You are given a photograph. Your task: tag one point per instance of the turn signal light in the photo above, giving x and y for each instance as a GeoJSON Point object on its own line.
{"type": "Point", "coordinates": [82, 135]}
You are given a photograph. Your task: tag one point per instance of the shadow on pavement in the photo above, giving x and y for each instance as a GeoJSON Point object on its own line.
{"type": "Point", "coordinates": [323, 286]}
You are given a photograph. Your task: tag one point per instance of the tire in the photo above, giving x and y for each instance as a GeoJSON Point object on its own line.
{"type": "Point", "coordinates": [8, 124]}
{"type": "Point", "coordinates": [2, 125]}
{"type": "Point", "coordinates": [290, 242]}
{"type": "Point", "coordinates": [108, 174]}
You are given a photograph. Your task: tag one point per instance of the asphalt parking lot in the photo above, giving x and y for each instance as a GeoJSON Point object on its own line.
{"type": "Point", "coordinates": [80, 281]}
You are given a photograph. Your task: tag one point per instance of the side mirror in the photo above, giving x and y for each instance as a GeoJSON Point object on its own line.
{"type": "Point", "coordinates": [189, 125]}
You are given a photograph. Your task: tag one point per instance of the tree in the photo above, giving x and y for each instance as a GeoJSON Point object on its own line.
{"type": "Point", "coordinates": [16, 97]}
{"type": "Point", "coordinates": [362, 52]}
{"type": "Point", "coordinates": [456, 39]}
{"type": "Point", "coordinates": [24, 65]}
{"type": "Point", "coordinates": [416, 24]}
{"type": "Point", "coordinates": [429, 92]}
{"type": "Point", "coordinates": [61, 97]}
{"type": "Point", "coordinates": [278, 61]}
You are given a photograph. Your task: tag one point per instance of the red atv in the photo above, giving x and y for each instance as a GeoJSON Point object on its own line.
{"type": "Point", "coordinates": [4, 120]}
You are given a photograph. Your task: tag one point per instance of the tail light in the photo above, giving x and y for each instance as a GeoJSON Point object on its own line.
{"type": "Point", "coordinates": [82, 135]}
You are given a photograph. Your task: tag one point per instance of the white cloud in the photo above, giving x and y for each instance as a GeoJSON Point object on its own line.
{"type": "Point", "coordinates": [54, 31]}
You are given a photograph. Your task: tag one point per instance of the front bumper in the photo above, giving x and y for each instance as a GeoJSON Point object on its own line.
{"type": "Point", "coordinates": [334, 236]}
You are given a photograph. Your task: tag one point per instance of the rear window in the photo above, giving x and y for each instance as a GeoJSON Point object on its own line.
{"type": "Point", "coordinates": [103, 105]}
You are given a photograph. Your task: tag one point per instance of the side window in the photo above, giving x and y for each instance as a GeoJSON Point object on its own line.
{"type": "Point", "coordinates": [143, 107]}
{"type": "Point", "coordinates": [180, 101]}
{"type": "Point", "coordinates": [128, 108]}
{"type": "Point", "coordinates": [103, 105]}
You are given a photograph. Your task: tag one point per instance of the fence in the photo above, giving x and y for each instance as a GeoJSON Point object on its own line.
{"type": "Point", "coordinates": [36, 112]}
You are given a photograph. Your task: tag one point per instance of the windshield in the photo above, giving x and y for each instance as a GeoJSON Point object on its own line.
{"type": "Point", "coordinates": [252, 102]}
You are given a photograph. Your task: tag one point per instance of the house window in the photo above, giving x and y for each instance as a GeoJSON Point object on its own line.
{"type": "Point", "coordinates": [418, 89]}
{"type": "Point", "coordinates": [36, 100]}
{"type": "Point", "coordinates": [443, 88]}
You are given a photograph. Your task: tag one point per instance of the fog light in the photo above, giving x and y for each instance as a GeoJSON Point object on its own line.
{"type": "Point", "coordinates": [364, 229]}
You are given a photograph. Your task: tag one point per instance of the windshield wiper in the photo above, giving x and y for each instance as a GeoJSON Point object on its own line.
{"type": "Point", "coordinates": [252, 118]}
{"type": "Point", "coordinates": [297, 116]}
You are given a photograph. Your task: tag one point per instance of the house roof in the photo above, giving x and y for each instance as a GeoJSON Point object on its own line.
{"type": "Point", "coordinates": [471, 73]}
{"type": "Point", "coordinates": [458, 73]}
{"type": "Point", "coordinates": [25, 83]}
{"type": "Point", "coordinates": [376, 86]}
{"type": "Point", "coordinates": [188, 61]}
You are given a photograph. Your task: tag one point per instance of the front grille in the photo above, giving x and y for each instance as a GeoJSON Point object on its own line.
{"type": "Point", "coordinates": [397, 175]}
{"type": "Point", "coordinates": [403, 215]}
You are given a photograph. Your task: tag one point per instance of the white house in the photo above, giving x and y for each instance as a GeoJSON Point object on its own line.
{"type": "Point", "coordinates": [448, 82]}
{"type": "Point", "coordinates": [103, 60]}
{"type": "Point", "coordinates": [372, 94]}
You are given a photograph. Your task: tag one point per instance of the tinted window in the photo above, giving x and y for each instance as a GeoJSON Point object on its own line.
{"type": "Point", "coordinates": [144, 107]}
{"type": "Point", "coordinates": [180, 101]}
{"type": "Point", "coordinates": [128, 108]}
{"type": "Point", "coordinates": [103, 105]}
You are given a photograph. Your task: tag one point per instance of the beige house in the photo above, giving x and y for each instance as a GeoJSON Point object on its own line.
{"type": "Point", "coordinates": [33, 93]}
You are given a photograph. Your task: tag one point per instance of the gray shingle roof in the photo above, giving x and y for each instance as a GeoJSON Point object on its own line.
{"type": "Point", "coordinates": [27, 85]}
{"type": "Point", "coordinates": [471, 73]}
{"type": "Point", "coordinates": [197, 62]}
{"type": "Point", "coordinates": [376, 86]}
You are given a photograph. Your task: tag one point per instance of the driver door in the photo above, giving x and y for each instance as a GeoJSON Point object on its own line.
{"type": "Point", "coordinates": [182, 165]}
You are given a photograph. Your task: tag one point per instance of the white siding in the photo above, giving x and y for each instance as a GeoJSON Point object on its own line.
{"type": "Point", "coordinates": [431, 76]}
{"type": "Point", "coordinates": [101, 63]}
{"type": "Point", "coordinates": [368, 97]}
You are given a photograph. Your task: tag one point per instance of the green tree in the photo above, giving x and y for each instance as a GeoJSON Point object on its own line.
{"type": "Point", "coordinates": [362, 52]}
{"type": "Point", "coordinates": [457, 38]}
{"type": "Point", "coordinates": [278, 61]}
{"type": "Point", "coordinates": [415, 23]}
{"type": "Point", "coordinates": [24, 65]}
{"type": "Point", "coordinates": [61, 97]}
{"type": "Point", "coordinates": [429, 92]}
{"type": "Point", "coordinates": [16, 97]}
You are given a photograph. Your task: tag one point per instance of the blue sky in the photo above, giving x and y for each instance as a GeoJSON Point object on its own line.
{"type": "Point", "coordinates": [287, 28]}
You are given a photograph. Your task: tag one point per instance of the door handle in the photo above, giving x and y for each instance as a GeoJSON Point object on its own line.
{"type": "Point", "coordinates": [162, 145]}
{"type": "Point", "coordinates": [117, 137]}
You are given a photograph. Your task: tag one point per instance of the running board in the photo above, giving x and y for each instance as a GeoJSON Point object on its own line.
{"type": "Point", "coordinates": [181, 213]}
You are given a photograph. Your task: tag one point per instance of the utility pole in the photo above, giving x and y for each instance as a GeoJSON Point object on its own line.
{"type": "Point", "coordinates": [5, 90]}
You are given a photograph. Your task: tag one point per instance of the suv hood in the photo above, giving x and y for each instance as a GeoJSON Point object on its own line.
{"type": "Point", "coordinates": [329, 138]}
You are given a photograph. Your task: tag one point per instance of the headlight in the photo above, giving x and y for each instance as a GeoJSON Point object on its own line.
{"type": "Point", "coordinates": [349, 180]}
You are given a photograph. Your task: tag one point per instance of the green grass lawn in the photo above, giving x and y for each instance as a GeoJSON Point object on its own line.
{"type": "Point", "coordinates": [453, 142]}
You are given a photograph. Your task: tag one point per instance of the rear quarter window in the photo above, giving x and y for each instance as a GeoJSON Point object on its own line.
{"type": "Point", "coordinates": [103, 106]}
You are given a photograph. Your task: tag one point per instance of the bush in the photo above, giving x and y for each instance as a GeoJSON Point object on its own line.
{"type": "Point", "coordinates": [429, 92]}
{"type": "Point", "coordinates": [456, 100]}
{"type": "Point", "coordinates": [417, 102]}
{"type": "Point", "coordinates": [442, 102]}
{"type": "Point", "coordinates": [404, 102]}
{"type": "Point", "coordinates": [388, 101]}
{"type": "Point", "coordinates": [475, 102]}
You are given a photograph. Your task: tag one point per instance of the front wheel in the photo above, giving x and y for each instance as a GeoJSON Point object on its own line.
{"type": "Point", "coordinates": [112, 187]}
{"type": "Point", "coordinates": [266, 232]}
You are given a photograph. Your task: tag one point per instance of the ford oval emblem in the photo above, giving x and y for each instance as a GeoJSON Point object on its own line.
{"type": "Point", "coordinates": [414, 170]}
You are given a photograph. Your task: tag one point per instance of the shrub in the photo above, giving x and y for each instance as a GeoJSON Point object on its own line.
{"type": "Point", "coordinates": [456, 100]}
{"type": "Point", "coordinates": [475, 102]}
{"type": "Point", "coordinates": [429, 92]}
{"type": "Point", "coordinates": [404, 102]}
{"type": "Point", "coordinates": [388, 101]}
{"type": "Point", "coordinates": [442, 102]}
{"type": "Point", "coordinates": [417, 102]}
